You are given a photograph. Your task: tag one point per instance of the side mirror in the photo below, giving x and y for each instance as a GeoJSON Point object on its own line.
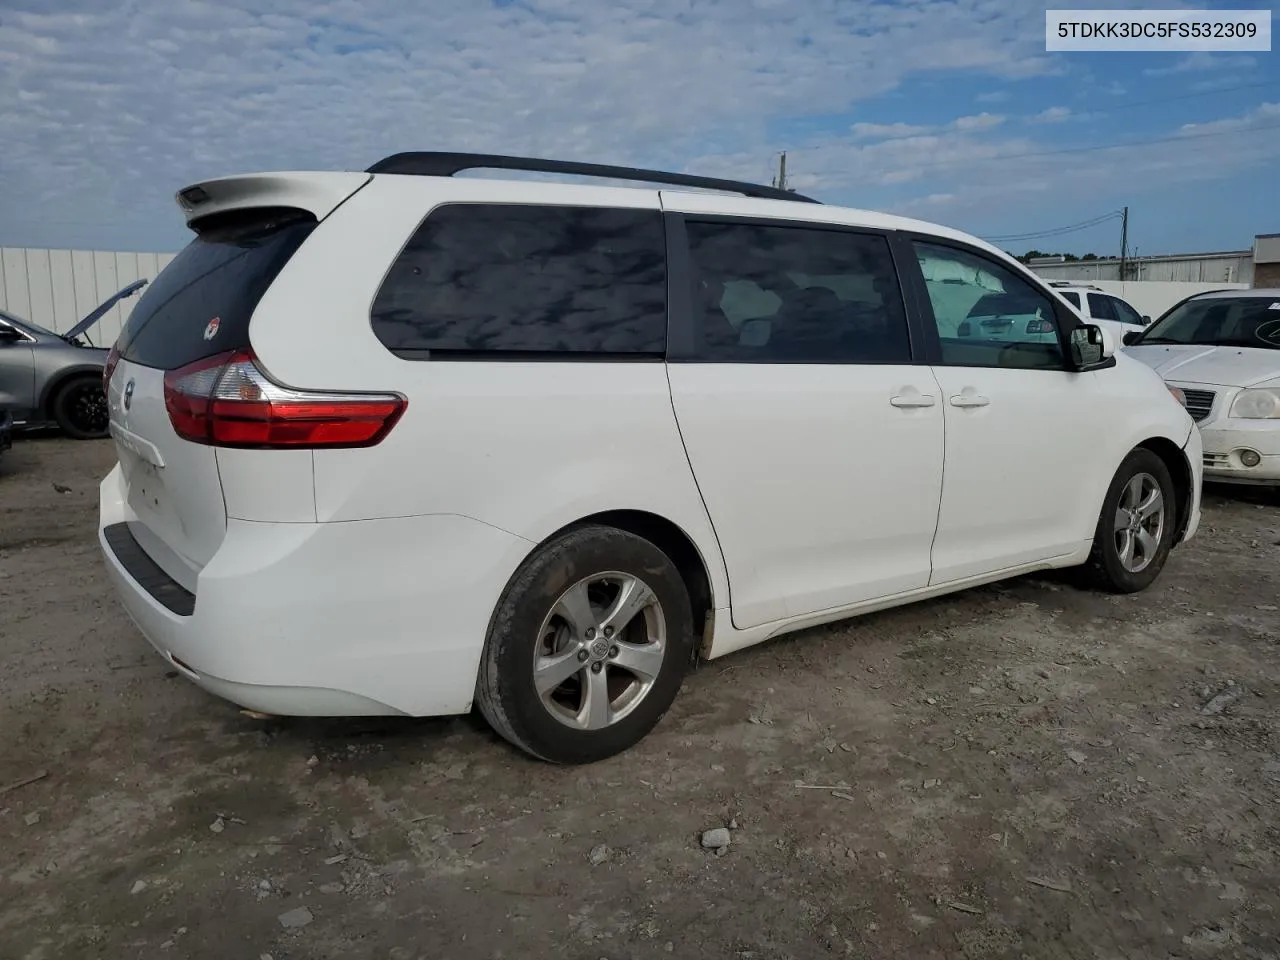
{"type": "Point", "coordinates": [10, 334]}
{"type": "Point", "coordinates": [1092, 347]}
{"type": "Point", "coordinates": [1131, 337]}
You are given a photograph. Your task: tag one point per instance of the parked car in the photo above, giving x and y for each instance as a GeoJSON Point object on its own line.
{"type": "Point", "coordinates": [1102, 308]}
{"type": "Point", "coordinates": [395, 442]}
{"type": "Point", "coordinates": [6, 429]}
{"type": "Point", "coordinates": [1222, 351]}
{"type": "Point", "coordinates": [48, 378]}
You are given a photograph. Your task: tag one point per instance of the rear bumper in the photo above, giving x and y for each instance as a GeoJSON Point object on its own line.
{"type": "Point", "coordinates": [361, 618]}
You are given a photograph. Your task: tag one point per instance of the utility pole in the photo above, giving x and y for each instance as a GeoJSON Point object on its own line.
{"type": "Point", "coordinates": [781, 181]}
{"type": "Point", "coordinates": [1124, 243]}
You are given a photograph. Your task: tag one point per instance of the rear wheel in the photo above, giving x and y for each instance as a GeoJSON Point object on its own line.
{"type": "Point", "coordinates": [80, 408]}
{"type": "Point", "coordinates": [1138, 524]}
{"type": "Point", "coordinates": [587, 648]}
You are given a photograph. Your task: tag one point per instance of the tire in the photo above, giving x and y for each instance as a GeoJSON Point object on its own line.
{"type": "Point", "coordinates": [79, 408]}
{"type": "Point", "coordinates": [540, 626]}
{"type": "Point", "coordinates": [1107, 567]}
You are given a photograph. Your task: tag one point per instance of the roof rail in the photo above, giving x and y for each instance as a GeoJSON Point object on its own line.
{"type": "Point", "coordinates": [432, 164]}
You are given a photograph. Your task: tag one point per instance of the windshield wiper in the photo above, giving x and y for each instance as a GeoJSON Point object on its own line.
{"type": "Point", "coordinates": [1163, 340]}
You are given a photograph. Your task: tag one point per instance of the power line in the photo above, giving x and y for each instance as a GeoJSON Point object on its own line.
{"type": "Point", "coordinates": [1057, 231]}
{"type": "Point", "coordinates": [1188, 96]}
{"type": "Point", "coordinates": [925, 132]}
{"type": "Point", "coordinates": [1102, 146]}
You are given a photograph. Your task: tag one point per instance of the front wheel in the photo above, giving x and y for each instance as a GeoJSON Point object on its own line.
{"type": "Point", "coordinates": [80, 408]}
{"type": "Point", "coordinates": [587, 648]}
{"type": "Point", "coordinates": [1137, 527]}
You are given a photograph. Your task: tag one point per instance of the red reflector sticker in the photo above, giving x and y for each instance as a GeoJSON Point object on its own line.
{"type": "Point", "coordinates": [211, 329]}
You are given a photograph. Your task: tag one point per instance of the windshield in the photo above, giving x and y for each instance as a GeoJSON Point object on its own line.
{"type": "Point", "coordinates": [26, 325]}
{"type": "Point", "coordinates": [1220, 322]}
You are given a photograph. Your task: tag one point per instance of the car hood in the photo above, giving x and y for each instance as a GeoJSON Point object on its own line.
{"type": "Point", "coordinates": [101, 309]}
{"type": "Point", "coordinates": [1221, 366]}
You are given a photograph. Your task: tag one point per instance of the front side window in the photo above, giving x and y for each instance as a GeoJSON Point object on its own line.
{"type": "Point", "coordinates": [491, 279]}
{"type": "Point", "coordinates": [795, 295]}
{"type": "Point", "coordinates": [1220, 322]}
{"type": "Point", "coordinates": [987, 315]}
{"type": "Point", "coordinates": [1125, 313]}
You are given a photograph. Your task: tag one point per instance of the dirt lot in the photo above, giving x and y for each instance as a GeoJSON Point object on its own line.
{"type": "Point", "coordinates": [1024, 770]}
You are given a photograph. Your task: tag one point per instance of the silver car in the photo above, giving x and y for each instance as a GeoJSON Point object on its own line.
{"type": "Point", "coordinates": [48, 378]}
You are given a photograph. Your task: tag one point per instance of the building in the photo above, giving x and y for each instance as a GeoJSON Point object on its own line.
{"type": "Point", "coordinates": [1266, 260]}
{"type": "Point", "coordinates": [1235, 266]}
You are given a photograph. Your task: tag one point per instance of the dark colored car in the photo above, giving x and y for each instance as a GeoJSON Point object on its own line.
{"type": "Point", "coordinates": [6, 430]}
{"type": "Point", "coordinates": [50, 378]}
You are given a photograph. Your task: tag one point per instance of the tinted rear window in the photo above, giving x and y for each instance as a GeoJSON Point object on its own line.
{"type": "Point", "coordinates": [221, 274]}
{"type": "Point", "coordinates": [488, 280]}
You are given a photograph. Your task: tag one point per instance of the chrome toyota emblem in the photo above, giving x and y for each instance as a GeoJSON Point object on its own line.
{"type": "Point", "coordinates": [128, 394]}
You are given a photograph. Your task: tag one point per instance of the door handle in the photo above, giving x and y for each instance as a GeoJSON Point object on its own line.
{"type": "Point", "coordinates": [969, 400]}
{"type": "Point", "coordinates": [908, 402]}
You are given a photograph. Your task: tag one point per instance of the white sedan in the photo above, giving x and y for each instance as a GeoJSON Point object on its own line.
{"type": "Point", "coordinates": [1222, 350]}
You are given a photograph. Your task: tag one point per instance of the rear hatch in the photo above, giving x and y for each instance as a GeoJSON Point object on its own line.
{"type": "Point", "coordinates": [199, 307]}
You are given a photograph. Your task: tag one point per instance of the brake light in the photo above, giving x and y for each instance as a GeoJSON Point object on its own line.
{"type": "Point", "coordinates": [1039, 326]}
{"type": "Point", "coordinates": [113, 357]}
{"type": "Point", "coordinates": [227, 401]}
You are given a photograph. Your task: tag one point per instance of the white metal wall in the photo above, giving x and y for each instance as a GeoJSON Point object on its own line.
{"type": "Point", "coordinates": [56, 288]}
{"type": "Point", "coordinates": [1228, 269]}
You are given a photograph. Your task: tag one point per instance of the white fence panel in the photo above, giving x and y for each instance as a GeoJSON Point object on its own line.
{"type": "Point", "coordinates": [1153, 297]}
{"type": "Point", "coordinates": [56, 288]}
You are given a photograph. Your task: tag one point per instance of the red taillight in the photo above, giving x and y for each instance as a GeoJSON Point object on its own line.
{"type": "Point", "coordinates": [1039, 326]}
{"type": "Point", "coordinates": [113, 357]}
{"type": "Point", "coordinates": [227, 401]}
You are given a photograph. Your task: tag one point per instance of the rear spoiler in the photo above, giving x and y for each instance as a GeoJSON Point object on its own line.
{"type": "Point", "coordinates": [317, 193]}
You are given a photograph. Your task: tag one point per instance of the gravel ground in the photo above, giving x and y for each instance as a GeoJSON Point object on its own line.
{"type": "Point", "coordinates": [1023, 770]}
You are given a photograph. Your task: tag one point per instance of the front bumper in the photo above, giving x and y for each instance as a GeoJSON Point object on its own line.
{"type": "Point", "coordinates": [323, 619]}
{"type": "Point", "coordinates": [1194, 453]}
{"type": "Point", "coordinates": [1227, 443]}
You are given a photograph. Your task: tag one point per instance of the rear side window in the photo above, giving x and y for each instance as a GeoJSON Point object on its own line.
{"type": "Point", "coordinates": [1100, 307]}
{"type": "Point", "coordinates": [495, 280]}
{"type": "Point", "coordinates": [784, 294]}
{"type": "Point", "coordinates": [201, 302]}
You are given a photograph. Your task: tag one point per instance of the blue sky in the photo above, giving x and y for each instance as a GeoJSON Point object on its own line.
{"type": "Point", "coordinates": [949, 110]}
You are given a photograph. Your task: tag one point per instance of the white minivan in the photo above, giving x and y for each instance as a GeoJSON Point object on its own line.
{"type": "Point", "coordinates": [401, 442]}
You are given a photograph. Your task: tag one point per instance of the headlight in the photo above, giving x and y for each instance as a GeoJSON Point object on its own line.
{"type": "Point", "coordinates": [1257, 404]}
{"type": "Point", "coordinates": [1178, 395]}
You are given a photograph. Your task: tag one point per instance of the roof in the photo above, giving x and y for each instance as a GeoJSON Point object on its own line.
{"type": "Point", "coordinates": [1259, 292]}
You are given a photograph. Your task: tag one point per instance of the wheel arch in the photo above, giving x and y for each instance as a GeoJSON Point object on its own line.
{"type": "Point", "coordinates": [61, 379]}
{"type": "Point", "coordinates": [676, 543]}
{"type": "Point", "coordinates": [1179, 471]}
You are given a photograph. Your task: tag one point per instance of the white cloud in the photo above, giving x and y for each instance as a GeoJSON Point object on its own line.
{"type": "Point", "coordinates": [1053, 115]}
{"type": "Point", "coordinates": [1266, 115]}
{"type": "Point", "coordinates": [868, 131]}
{"type": "Point", "coordinates": [981, 121]}
{"type": "Point", "coordinates": [98, 135]}
{"type": "Point", "coordinates": [1203, 60]}
{"type": "Point", "coordinates": [107, 109]}
{"type": "Point", "coordinates": [994, 96]}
